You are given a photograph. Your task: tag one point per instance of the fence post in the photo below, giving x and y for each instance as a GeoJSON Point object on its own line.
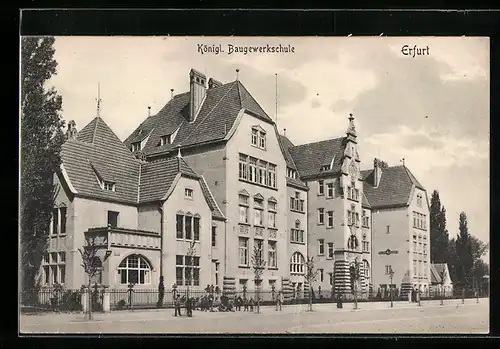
{"type": "Point", "coordinates": [84, 299]}
{"type": "Point", "coordinates": [106, 308]}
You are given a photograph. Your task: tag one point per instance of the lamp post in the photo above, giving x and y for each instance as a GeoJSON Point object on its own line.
{"type": "Point", "coordinates": [391, 275]}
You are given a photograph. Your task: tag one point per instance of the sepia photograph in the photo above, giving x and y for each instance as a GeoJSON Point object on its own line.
{"type": "Point", "coordinates": [254, 185]}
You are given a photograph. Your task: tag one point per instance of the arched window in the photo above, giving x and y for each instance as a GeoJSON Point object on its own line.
{"type": "Point", "coordinates": [297, 263]}
{"type": "Point", "coordinates": [135, 269]}
{"type": "Point", "coordinates": [366, 268]}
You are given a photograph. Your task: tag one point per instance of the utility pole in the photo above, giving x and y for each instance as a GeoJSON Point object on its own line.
{"type": "Point", "coordinates": [391, 275]}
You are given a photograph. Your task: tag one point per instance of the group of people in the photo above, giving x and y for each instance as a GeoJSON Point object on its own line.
{"type": "Point", "coordinates": [206, 303]}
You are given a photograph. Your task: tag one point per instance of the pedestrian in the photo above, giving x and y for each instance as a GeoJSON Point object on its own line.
{"type": "Point", "coordinates": [245, 303]}
{"type": "Point", "coordinates": [280, 301]}
{"type": "Point", "coordinates": [189, 307]}
{"type": "Point", "coordinates": [238, 303]}
{"type": "Point", "coordinates": [178, 305]}
{"type": "Point", "coordinates": [251, 303]}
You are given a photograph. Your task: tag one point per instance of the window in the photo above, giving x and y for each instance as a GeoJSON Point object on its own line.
{"type": "Point", "coordinates": [110, 186]}
{"type": "Point", "coordinates": [321, 216]}
{"type": "Point", "coordinates": [330, 250]}
{"type": "Point", "coordinates": [366, 268]}
{"type": "Point", "coordinates": [291, 173]}
{"type": "Point", "coordinates": [180, 226]}
{"type": "Point", "coordinates": [414, 267]}
{"type": "Point", "coordinates": [243, 283]}
{"type": "Point", "coordinates": [258, 138]}
{"type": "Point", "coordinates": [420, 247]}
{"type": "Point", "coordinates": [63, 220]}
{"type": "Point", "coordinates": [113, 219]}
{"type": "Point", "coordinates": [388, 231]}
{"type": "Point", "coordinates": [258, 217]}
{"type": "Point", "coordinates": [188, 227]}
{"type": "Point", "coordinates": [425, 249]}
{"type": "Point", "coordinates": [188, 193]}
{"type": "Point", "coordinates": [259, 246]}
{"type": "Point", "coordinates": [135, 269]}
{"type": "Point", "coordinates": [196, 228]}
{"type": "Point", "coordinates": [243, 250]}
{"type": "Point", "coordinates": [419, 200]}
{"type": "Point", "coordinates": [272, 259]}
{"type": "Point", "coordinates": [321, 247]}
{"type": "Point", "coordinates": [271, 219]}
{"type": "Point", "coordinates": [357, 219]}
{"type": "Point", "coordinates": [55, 221]}
{"type": "Point", "coordinates": [187, 270]}
{"type": "Point", "coordinates": [296, 203]}
{"type": "Point", "coordinates": [136, 146]}
{"type": "Point", "coordinates": [257, 171]}
{"type": "Point", "coordinates": [366, 246]}
{"type": "Point", "coordinates": [321, 187]}
{"type": "Point", "coordinates": [297, 234]}
{"type": "Point", "coordinates": [165, 140]}
{"type": "Point", "coordinates": [329, 190]}
{"type": "Point", "coordinates": [331, 278]}
{"type": "Point", "coordinates": [388, 269]}
{"type": "Point", "coordinates": [365, 219]}
{"type": "Point", "coordinates": [214, 235]}
{"type": "Point", "coordinates": [54, 268]}
{"type": "Point", "coordinates": [420, 268]}
{"type": "Point", "coordinates": [272, 206]}
{"type": "Point", "coordinates": [255, 137]}
{"type": "Point", "coordinates": [297, 263]}
{"type": "Point", "coordinates": [331, 219]}
{"type": "Point", "coordinates": [425, 268]}
{"type": "Point", "coordinates": [320, 275]}
{"type": "Point", "coordinates": [244, 214]}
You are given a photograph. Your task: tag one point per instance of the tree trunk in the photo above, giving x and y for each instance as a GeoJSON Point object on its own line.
{"type": "Point", "coordinates": [355, 296]}
{"type": "Point", "coordinates": [258, 299]}
{"type": "Point", "coordinates": [310, 301]}
{"type": "Point", "coordinates": [90, 299]}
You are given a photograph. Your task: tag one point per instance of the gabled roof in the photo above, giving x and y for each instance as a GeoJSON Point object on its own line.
{"type": "Point", "coordinates": [286, 144]}
{"type": "Point", "coordinates": [364, 200]}
{"type": "Point", "coordinates": [438, 269]}
{"type": "Point", "coordinates": [217, 115]}
{"type": "Point", "coordinates": [394, 188]}
{"type": "Point", "coordinates": [157, 177]}
{"type": "Point", "coordinates": [310, 158]}
{"type": "Point", "coordinates": [98, 149]}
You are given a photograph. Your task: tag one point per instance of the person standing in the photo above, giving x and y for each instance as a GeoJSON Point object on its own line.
{"type": "Point", "coordinates": [177, 305]}
{"type": "Point", "coordinates": [279, 303]}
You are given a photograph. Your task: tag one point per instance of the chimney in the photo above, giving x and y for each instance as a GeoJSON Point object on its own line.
{"type": "Point", "coordinates": [197, 89]}
{"type": "Point", "coordinates": [377, 172]}
{"type": "Point", "coordinates": [212, 83]}
{"type": "Point", "coordinates": [72, 132]}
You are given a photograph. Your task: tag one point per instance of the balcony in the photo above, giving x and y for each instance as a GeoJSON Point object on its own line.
{"type": "Point", "coordinates": [120, 237]}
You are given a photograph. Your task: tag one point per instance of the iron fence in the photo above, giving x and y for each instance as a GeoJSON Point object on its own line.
{"type": "Point", "coordinates": [71, 300]}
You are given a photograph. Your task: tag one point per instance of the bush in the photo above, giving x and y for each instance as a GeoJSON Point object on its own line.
{"type": "Point", "coordinates": [121, 304]}
{"type": "Point", "coordinates": [71, 301]}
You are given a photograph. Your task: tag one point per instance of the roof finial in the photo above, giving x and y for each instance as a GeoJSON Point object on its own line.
{"type": "Point", "coordinates": [237, 73]}
{"type": "Point", "coordinates": [351, 129]}
{"type": "Point", "coordinates": [284, 132]}
{"type": "Point", "coordinates": [351, 118]}
{"type": "Point", "coordinates": [171, 93]}
{"type": "Point", "coordinates": [403, 161]}
{"type": "Point", "coordinates": [149, 111]}
{"type": "Point", "coordinates": [98, 99]}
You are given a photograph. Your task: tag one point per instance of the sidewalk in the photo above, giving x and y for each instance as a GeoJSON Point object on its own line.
{"type": "Point", "coordinates": [167, 314]}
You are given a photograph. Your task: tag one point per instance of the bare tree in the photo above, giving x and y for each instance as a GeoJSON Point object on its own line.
{"type": "Point", "coordinates": [258, 266]}
{"type": "Point", "coordinates": [92, 265]}
{"type": "Point", "coordinates": [190, 254]}
{"type": "Point", "coordinates": [310, 277]}
{"type": "Point", "coordinates": [355, 273]}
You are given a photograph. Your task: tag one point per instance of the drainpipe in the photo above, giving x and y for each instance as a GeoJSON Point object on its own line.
{"type": "Point", "coordinates": [160, 208]}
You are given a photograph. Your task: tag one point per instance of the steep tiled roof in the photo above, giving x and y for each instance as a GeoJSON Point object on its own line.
{"type": "Point", "coordinates": [215, 118]}
{"type": "Point", "coordinates": [364, 200]}
{"type": "Point", "coordinates": [286, 144]}
{"type": "Point", "coordinates": [157, 177]}
{"type": "Point", "coordinates": [98, 149]}
{"type": "Point", "coordinates": [436, 274]}
{"type": "Point", "coordinates": [216, 212]}
{"type": "Point", "coordinates": [296, 183]}
{"type": "Point", "coordinates": [394, 188]}
{"type": "Point", "coordinates": [309, 158]}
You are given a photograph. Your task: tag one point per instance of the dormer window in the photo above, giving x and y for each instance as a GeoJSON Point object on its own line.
{"type": "Point", "coordinates": [166, 139]}
{"type": "Point", "coordinates": [110, 186]}
{"type": "Point", "coordinates": [258, 137]}
{"type": "Point", "coordinates": [136, 146]}
{"type": "Point", "coordinates": [291, 173]}
{"type": "Point", "coordinates": [325, 168]}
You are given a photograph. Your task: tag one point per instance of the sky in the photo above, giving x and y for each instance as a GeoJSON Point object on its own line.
{"type": "Point", "coordinates": [432, 110]}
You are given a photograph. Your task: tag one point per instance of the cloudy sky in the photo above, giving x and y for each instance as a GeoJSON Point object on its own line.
{"type": "Point", "coordinates": [432, 110]}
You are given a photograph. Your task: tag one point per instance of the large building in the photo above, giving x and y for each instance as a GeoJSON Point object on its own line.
{"type": "Point", "coordinates": [208, 182]}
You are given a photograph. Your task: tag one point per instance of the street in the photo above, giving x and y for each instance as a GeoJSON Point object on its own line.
{"type": "Point", "coordinates": [430, 317]}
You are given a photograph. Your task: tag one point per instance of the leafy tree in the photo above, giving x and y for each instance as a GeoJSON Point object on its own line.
{"type": "Point", "coordinates": [190, 254]}
{"type": "Point", "coordinates": [91, 264]}
{"type": "Point", "coordinates": [438, 232]}
{"type": "Point", "coordinates": [41, 140]}
{"type": "Point", "coordinates": [258, 266]}
{"type": "Point", "coordinates": [310, 277]}
{"type": "Point", "coordinates": [465, 258]}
